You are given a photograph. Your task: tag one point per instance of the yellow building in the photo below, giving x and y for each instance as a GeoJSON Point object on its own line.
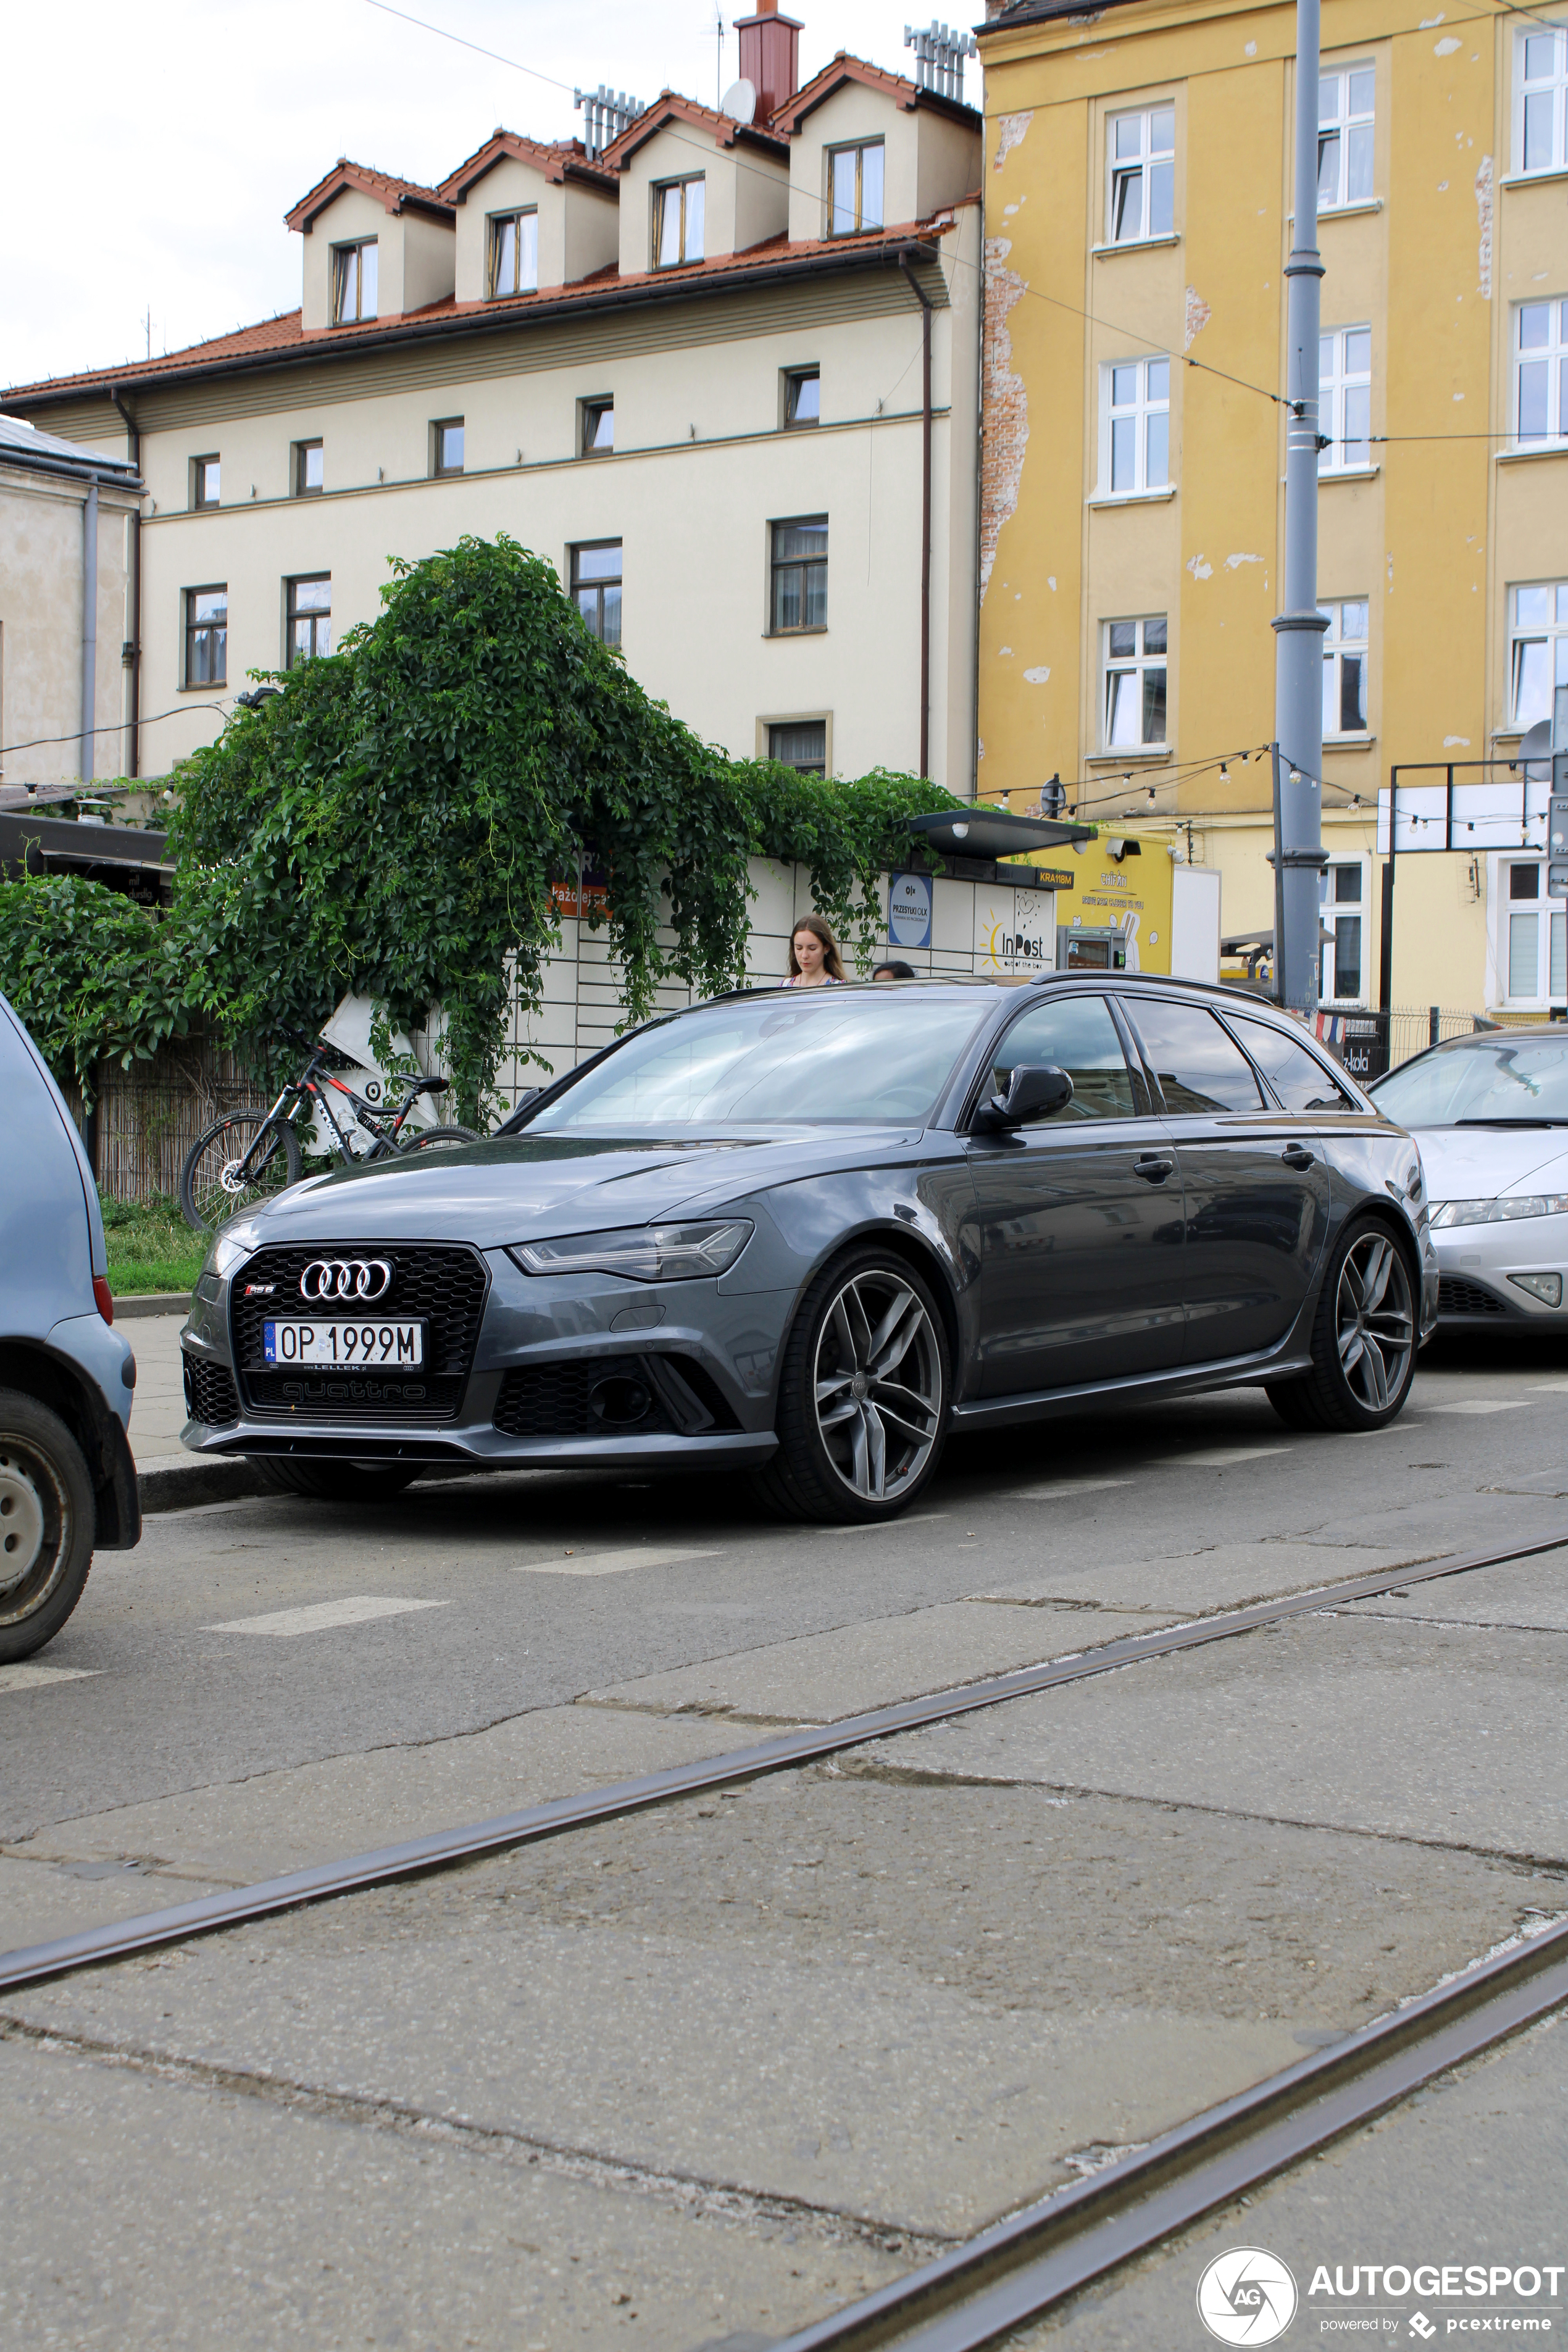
{"type": "Point", "coordinates": [1137, 193]}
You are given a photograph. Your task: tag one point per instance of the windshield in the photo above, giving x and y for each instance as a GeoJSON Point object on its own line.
{"type": "Point", "coordinates": [829, 1058]}
{"type": "Point", "coordinates": [1498, 1080]}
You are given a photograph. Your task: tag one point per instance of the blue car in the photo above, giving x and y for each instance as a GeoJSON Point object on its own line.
{"type": "Point", "coordinates": [67, 1484]}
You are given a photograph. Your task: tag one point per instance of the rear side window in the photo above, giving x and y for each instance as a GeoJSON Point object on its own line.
{"type": "Point", "coordinates": [1078, 1034]}
{"type": "Point", "coordinates": [1200, 1066]}
{"type": "Point", "coordinates": [1297, 1077]}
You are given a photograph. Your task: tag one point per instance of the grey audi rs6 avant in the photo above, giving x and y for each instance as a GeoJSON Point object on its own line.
{"type": "Point", "coordinates": [808, 1233]}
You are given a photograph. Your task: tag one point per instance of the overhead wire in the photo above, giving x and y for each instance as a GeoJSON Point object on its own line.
{"type": "Point", "coordinates": [36, 742]}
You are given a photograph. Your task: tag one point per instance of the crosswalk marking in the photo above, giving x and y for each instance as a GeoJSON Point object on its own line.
{"type": "Point", "coordinates": [358, 1609]}
{"type": "Point", "coordinates": [612, 1563]}
{"type": "Point", "coordinates": [1483, 1404]}
{"type": "Point", "coordinates": [1216, 1457]}
{"type": "Point", "coordinates": [1056, 1488]}
{"type": "Point", "coordinates": [15, 1678]}
{"type": "Point", "coordinates": [876, 1527]}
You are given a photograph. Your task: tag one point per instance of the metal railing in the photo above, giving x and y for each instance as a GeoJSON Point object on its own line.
{"type": "Point", "coordinates": [1373, 1042]}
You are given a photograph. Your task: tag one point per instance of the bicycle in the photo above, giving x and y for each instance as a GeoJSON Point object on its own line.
{"type": "Point", "coordinates": [249, 1155]}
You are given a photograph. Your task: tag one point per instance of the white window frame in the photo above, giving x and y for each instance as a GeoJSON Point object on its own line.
{"type": "Point", "coordinates": [1552, 355]}
{"type": "Point", "coordinates": [1333, 911]}
{"type": "Point", "coordinates": [523, 221]}
{"type": "Point", "coordinates": [690, 221]}
{"type": "Point", "coordinates": [1552, 87]}
{"type": "Point", "coordinates": [864, 220]}
{"type": "Point", "coordinates": [1343, 455]}
{"type": "Point", "coordinates": [1550, 632]}
{"type": "Point", "coordinates": [1113, 666]}
{"type": "Point", "coordinates": [1144, 163]}
{"type": "Point", "coordinates": [1504, 912]}
{"type": "Point", "coordinates": [347, 265]}
{"type": "Point", "coordinates": [1149, 406]}
{"type": "Point", "coordinates": [1336, 645]}
{"type": "Point", "coordinates": [1346, 123]}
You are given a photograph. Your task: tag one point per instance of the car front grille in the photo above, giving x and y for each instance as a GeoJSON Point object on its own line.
{"type": "Point", "coordinates": [210, 1394]}
{"type": "Point", "coordinates": [1458, 1296]}
{"type": "Point", "coordinates": [445, 1283]}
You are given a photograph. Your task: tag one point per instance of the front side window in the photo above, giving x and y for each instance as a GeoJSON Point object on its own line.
{"type": "Point", "coordinates": [1340, 890]}
{"type": "Point", "coordinates": [596, 588]}
{"type": "Point", "coordinates": [1344, 137]}
{"type": "Point", "coordinates": [513, 265]}
{"type": "Point", "coordinates": [1135, 656]}
{"type": "Point", "coordinates": [1541, 85]}
{"type": "Point", "coordinates": [800, 575]}
{"type": "Point", "coordinates": [1533, 955]}
{"type": "Point", "coordinates": [206, 481]}
{"type": "Point", "coordinates": [207, 636]}
{"type": "Point", "coordinates": [802, 396]}
{"type": "Point", "coordinates": [1143, 165]}
{"type": "Point", "coordinates": [801, 744]}
{"type": "Point", "coordinates": [310, 476]}
{"type": "Point", "coordinates": [1078, 1034]}
{"type": "Point", "coordinates": [1135, 429]}
{"type": "Point", "coordinates": [855, 176]}
{"type": "Point", "coordinates": [599, 427]}
{"type": "Point", "coordinates": [353, 282]}
{"type": "Point", "coordinates": [447, 445]}
{"type": "Point", "coordinates": [1344, 667]}
{"type": "Point", "coordinates": [310, 618]}
{"type": "Point", "coordinates": [1345, 399]}
{"type": "Point", "coordinates": [1541, 371]}
{"type": "Point", "coordinates": [1200, 1066]}
{"type": "Point", "coordinates": [678, 209]}
{"type": "Point", "coordinates": [1538, 664]}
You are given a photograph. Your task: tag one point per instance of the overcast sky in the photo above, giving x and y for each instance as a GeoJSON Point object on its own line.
{"type": "Point", "coordinates": [149, 153]}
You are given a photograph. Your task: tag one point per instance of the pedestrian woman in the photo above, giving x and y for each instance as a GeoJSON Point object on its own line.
{"type": "Point", "coordinates": [813, 958]}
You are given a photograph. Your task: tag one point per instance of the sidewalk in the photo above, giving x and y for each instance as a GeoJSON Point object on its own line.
{"type": "Point", "coordinates": [169, 1478]}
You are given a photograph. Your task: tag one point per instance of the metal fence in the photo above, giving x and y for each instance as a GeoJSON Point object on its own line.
{"type": "Point", "coordinates": [1375, 1043]}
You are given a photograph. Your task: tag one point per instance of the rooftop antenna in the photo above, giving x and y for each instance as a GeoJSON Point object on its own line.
{"type": "Point", "coordinates": [939, 54]}
{"type": "Point", "coordinates": [719, 66]}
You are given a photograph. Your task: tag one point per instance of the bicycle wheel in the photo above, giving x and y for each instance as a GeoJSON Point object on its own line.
{"type": "Point", "coordinates": [437, 1139]}
{"type": "Point", "coordinates": [216, 1183]}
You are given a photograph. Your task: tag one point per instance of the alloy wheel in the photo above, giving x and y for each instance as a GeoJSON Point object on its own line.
{"type": "Point", "coordinates": [876, 1383]}
{"type": "Point", "coordinates": [1375, 1322]}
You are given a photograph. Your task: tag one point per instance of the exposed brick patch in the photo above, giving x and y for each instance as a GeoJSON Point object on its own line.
{"type": "Point", "coordinates": [1006, 407]}
{"type": "Point", "coordinates": [1484, 216]}
{"type": "Point", "coordinates": [1198, 317]}
{"type": "Point", "coordinates": [1010, 131]}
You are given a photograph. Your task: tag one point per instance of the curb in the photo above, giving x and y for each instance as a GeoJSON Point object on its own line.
{"type": "Point", "coordinates": [179, 1486]}
{"type": "Point", "coordinates": [152, 1302]}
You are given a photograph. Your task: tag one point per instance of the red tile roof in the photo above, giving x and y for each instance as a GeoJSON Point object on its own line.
{"type": "Point", "coordinates": [392, 194]}
{"type": "Point", "coordinates": [788, 118]}
{"type": "Point", "coordinates": [670, 107]}
{"type": "Point", "coordinates": [554, 159]}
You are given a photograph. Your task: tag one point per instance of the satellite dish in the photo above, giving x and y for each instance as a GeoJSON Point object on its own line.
{"type": "Point", "coordinates": [1535, 750]}
{"type": "Point", "coordinates": [740, 101]}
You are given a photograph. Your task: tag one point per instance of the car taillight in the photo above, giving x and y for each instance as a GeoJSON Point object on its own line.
{"type": "Point", "coordinates": [103, 1297]}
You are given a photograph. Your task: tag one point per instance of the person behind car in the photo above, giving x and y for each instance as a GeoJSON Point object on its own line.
{"type": "Point", "coordinates": [895, 968]}
{"type": "Point", "coordinates": [813, 958]}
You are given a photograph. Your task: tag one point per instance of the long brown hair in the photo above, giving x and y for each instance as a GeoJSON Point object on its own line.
{"type": "Point", "coordinates": [831, 962]}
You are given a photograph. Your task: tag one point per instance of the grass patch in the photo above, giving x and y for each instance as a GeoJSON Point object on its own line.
{"type": "Point", "coordinates": [151, 1247]}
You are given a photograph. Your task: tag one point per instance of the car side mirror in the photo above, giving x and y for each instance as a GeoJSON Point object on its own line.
{"type": "Point", "coordinates": [1035, 1090]}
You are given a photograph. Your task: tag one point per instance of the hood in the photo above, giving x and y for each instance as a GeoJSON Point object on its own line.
{"type": "Point", "coordinates": [1479, 1164]}
{"type": "Point", "coordinates": [524, 1188]}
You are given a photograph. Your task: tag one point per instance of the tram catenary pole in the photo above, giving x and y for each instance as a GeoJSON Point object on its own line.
{"type": "Point", "coordinates": [1297, 661]}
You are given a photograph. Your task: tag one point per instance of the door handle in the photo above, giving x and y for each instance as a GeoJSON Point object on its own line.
{"type": "Point", "coordinates": [1296, 1155]}
{"type": "Point", "coordinates": [1154, 1166]}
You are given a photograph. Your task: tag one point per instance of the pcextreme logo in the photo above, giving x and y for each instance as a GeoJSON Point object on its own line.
{"type": "Point", "coordinates": [1246, 2296]}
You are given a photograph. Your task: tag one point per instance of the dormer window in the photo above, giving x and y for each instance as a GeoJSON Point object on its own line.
{"type": "Point", "coordinates": [855, 187]}
{"type": "Point", "coordinates": [513, 264]}
{"type": "Point", "coordinates": [678, 209]}
{"type": "Point", "coordinates": [353, 282]}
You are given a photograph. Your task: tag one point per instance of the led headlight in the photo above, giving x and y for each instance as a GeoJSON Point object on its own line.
{"type": "Point", "coordinates": [646, 1253]}
{"type": "Point", "coordinates": [1503, 1211]}
{"type": "Point", "coordinates": [234, 1242]}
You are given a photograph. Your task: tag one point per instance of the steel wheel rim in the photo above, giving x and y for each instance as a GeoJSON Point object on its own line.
{"type": "Point", "coordinates": [877, 1385]}
{"type": "Point", "coordinates": [39, 1517]}
{"type": "Point", "coordinates": [1375, 1322]}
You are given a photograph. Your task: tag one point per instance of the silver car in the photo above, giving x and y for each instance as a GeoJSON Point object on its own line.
{"type": "Point", "coordinates": [808, 1234]}
{"type": "Point", "coordinates": [1490, 1115]}
{"type": "Point", "coordinates": [67, 1484]}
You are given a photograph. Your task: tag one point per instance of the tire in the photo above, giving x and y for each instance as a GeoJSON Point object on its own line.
{"type": "Point", "coordinates": [435, 1138]}
{"type": "Point", "coordinates": [209, 1193]}
{"type": "Point", "coordinates": [47, 1523]}
{"type": "Point", "coordinates": [1364, 1338]}
{"type": "Point", "coordinates": [333, 1481]}
{"type": "Point", "coordinates": [859, 1456]}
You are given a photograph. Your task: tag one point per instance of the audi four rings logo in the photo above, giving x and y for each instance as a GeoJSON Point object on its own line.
{"type": "Point", "coordinates": [346, 1277]}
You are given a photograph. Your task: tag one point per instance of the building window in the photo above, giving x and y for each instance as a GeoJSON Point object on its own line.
{"type": "Point", "coordinates": [1345, 399]}
{"type": "Point", "coordinates": [310, 618]}
{"type": "Point", "coordinates": [1541, 87]}
{"type": "Point", "coordinates": [1134, 684]}
{"type": "Point", "coordinates": [1142, 162]}
{"type": "Point", "coordinates": [596, 588]}
{"type": "Point", "coordinates": [207, 636]}
{"type": "Point", "coordinates": [206, 478]}
{"type": "Point", "coordinates": [309, 476]}
{"type": "Point", "coordinates": [855, 176]}
{"type": "Point", "coordinates": [598, 420]}
{"type": "Point", "coordinates": [1344, 137]}
{"type": "Point", "coordinates": [513, 261]}
{"type": "Point", "coordinates": [1344, 669]}
{"type": "Point", "coordinates": [447, 445]}
{"type": "Point", "coordinates": [1135, 427]}
{"type": "Point", "coordinates": [800, 575]}
{"type": "Point", "coordinates": [678, 222]}
{"type": "Point", "coordinates": [802, 396]}
{"type": "Point", "coordinates": [353, 282]}
{"type": "Point", "coordinates": [801, 744]}
{"type": "Point", "coordinates": [1541, 365]}
{"type": "Point", "coordinates": [1538, 666]}
{"type": "Point", "coordinates": [1342, 891]}
{"type": "Point", "coordinates": [1534, 954]}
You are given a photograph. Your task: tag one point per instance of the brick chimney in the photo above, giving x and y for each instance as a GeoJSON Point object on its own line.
{"type": "Point", "coordinates": [770, 57]}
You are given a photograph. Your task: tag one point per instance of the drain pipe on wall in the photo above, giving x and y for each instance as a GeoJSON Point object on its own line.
{"type": "Point", "coordinates": [86, 759]}
{"type": "Point", "coordinates": [131, 653]}
{"type": "Point", "coordinates": [925, 303]}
